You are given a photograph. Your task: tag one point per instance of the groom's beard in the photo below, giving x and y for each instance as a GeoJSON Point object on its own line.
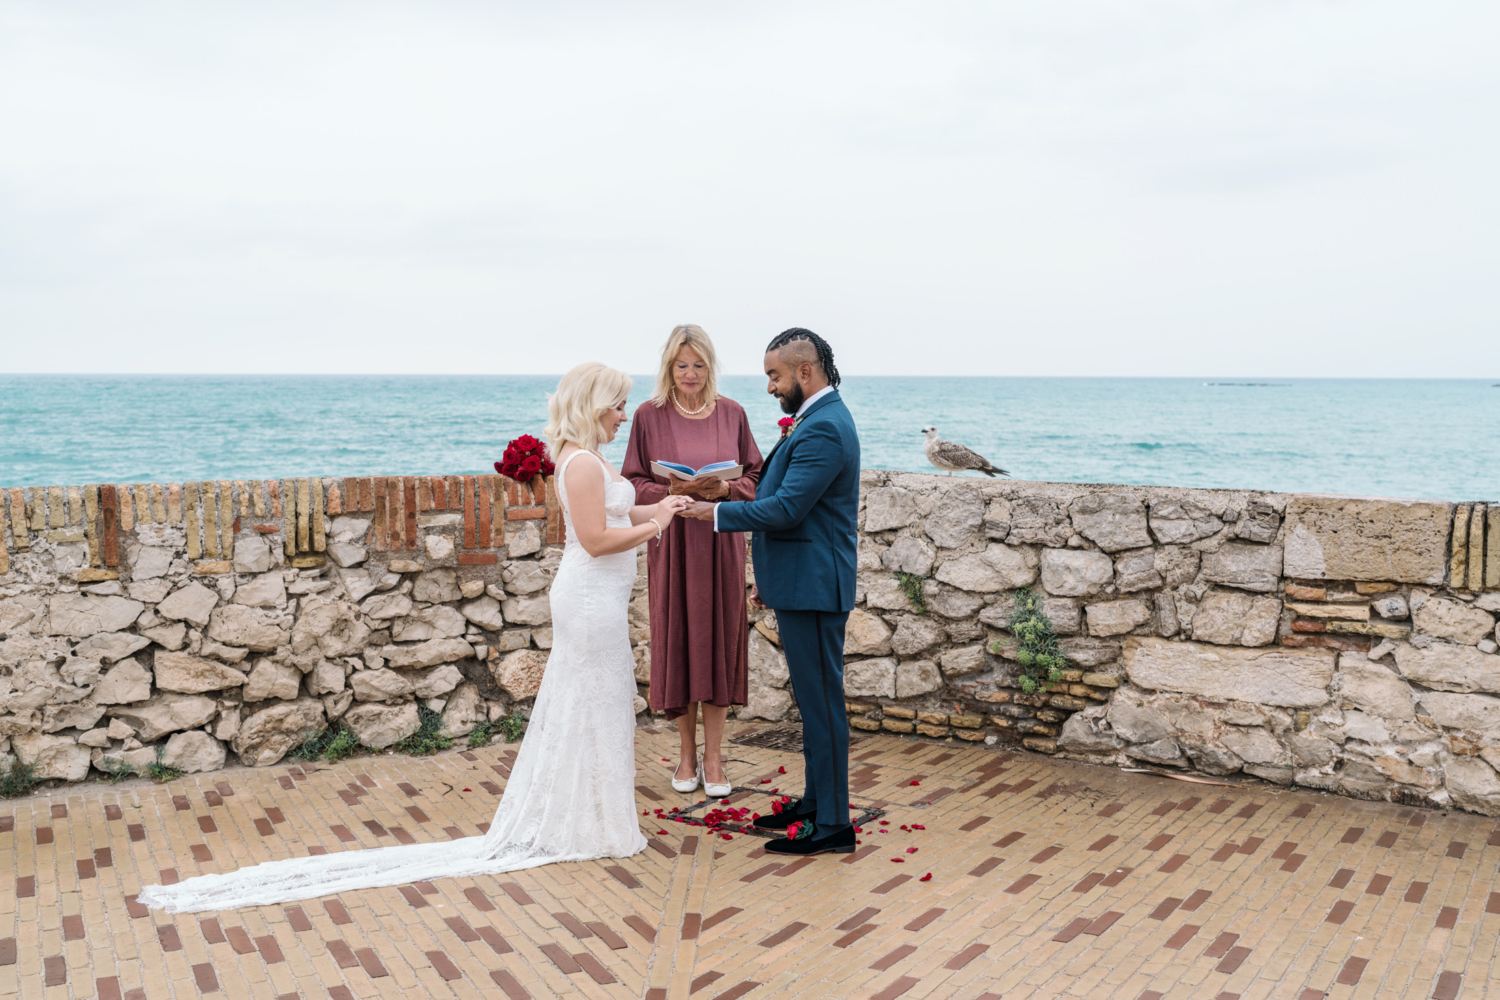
{"type": "Point", "coordinates": [792, 401]}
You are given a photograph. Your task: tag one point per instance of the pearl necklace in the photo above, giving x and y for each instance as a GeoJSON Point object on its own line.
{"type": "Point", "coordinates": [685, 411]}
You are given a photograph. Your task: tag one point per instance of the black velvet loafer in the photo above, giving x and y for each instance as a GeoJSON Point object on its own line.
{"type": "Point", "coordinates": [814, 841]}
{"type": "Point", "coordinates": [791, 812]}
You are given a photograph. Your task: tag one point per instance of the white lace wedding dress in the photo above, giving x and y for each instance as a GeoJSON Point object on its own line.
{"type": "Point", "coordinates": [571, 793]}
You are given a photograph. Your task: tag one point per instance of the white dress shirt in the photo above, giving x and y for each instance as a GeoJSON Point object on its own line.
{"type": "Point", "coordinates": [796, 416]}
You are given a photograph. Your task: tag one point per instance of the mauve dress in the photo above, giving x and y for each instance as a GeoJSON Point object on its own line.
{"type": "Point", "coordinates": [695, 577]}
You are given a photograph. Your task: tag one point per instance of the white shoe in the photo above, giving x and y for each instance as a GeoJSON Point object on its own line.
{"type": "Point", "coordinates": [686, 785]}
{"type": "Point", "coordinates": [717, 790]}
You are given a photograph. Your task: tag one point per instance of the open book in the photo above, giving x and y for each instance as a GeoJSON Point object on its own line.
{"type": "Point", "coordinates": [719, 470]}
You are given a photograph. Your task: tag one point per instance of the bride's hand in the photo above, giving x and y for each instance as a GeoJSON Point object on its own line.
{"type": "Point", "coordinates": [669, 507]}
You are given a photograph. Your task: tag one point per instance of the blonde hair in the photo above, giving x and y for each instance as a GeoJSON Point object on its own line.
{"type": "Point", "coordinates": [687, 335]}
{"type": "Point", "coordinates": [581, 399]}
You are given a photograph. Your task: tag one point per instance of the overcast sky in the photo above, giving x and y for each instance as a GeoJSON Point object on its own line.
{"type": "Point", "coordinates": [1052, 188]}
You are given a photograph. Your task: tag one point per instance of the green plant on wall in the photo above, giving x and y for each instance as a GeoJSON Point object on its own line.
{"type": "Point", "coordinates": [1038, 652]}
{"type": "Point", "coordinates": [911, 584]}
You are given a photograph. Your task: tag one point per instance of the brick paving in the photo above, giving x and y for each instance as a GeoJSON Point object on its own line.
{"type": "Point", "coordinates": [1049, 879]}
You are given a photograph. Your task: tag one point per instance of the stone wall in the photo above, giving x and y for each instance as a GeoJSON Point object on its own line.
{"type": "Point", "coordinates": [182, 622]}
{"type": "Point", "coordinates": [1340, 643]}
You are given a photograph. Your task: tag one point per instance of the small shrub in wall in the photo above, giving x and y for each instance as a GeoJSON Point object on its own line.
{"type": "Point", "coordinates": [1038, 652]}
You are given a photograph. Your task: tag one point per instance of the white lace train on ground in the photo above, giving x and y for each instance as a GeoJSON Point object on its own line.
{"type": "Point", "coordinates": [571, 793]}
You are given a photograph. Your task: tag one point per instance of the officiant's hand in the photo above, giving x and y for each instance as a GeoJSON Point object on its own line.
{"type": "Point", "coordinates": [704, 487]}
{"type": "Point", "coordinates": [700, 510]}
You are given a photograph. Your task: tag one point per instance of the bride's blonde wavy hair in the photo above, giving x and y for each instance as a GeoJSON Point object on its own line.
{"type": "Point", "coordinates": [581, 399]}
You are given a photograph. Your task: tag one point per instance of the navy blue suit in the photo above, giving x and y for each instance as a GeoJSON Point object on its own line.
{"type": "Point", "coordinates": [804, 551]}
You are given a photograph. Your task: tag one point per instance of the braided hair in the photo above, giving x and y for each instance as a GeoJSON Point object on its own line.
{"type": "Point", "coordinates": [825, 353]}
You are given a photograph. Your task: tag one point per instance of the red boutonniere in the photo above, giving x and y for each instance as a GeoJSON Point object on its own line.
{"type": "Point", "coordinates": [786, 424]}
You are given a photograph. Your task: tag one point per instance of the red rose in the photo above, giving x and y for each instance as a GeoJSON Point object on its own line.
{"type": "Point", "coordinates": [531, 466]}
{"type": "Point", "coordinates": [526, 442]}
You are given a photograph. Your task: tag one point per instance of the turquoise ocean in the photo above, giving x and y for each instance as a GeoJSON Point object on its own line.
{"type": "Point", "coordinates": [1381, 437]}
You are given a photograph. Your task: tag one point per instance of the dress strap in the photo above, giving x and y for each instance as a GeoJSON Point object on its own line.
{"type": "Point", "coordinates": [562, 483]}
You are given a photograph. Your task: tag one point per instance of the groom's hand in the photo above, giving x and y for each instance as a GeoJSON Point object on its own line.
{"type": "Point", "coordinates": [755, 601]}
{"type": "Point", "coordinates": [702, 511]}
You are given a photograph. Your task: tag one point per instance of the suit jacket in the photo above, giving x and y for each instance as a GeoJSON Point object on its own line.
{"type": "Point", "coordinates": [804, 511]}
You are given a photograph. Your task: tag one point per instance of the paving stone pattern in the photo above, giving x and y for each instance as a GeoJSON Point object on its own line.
{"type": "Point", "coordinates": [1050, 878]}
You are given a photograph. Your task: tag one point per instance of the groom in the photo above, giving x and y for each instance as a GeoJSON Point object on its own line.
{"type": "Point", "coordinates": [803, 519]}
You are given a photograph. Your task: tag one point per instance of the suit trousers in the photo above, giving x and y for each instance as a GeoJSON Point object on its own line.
{"type": "Point", "coordinates": [814, 646]}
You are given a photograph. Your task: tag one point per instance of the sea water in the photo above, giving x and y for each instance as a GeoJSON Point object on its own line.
{"type": "Point", "coordinates": [1379, 437]}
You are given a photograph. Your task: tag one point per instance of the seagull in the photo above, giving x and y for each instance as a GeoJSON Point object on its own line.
{"type": "Point", "coordinates": [953, 457]}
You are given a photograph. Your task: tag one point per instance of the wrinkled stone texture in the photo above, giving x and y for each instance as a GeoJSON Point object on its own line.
{"type": "Point", "coordinates": [1075, 572]}
{"type": "Point", "coordinates": [166, 713]}
{"type": "Point", "coordinates": [871, 678]}
{"type": "Point", "coordinates": [956, 516]}
{"type": "Point", "coordinates": [1272, 676]}
{"type": "Point", "coordinates": [54, 757]}
{"type": "Point", "coordinates": [191, 604]}
{"type": "Point", "coordinates": [1244, 565]}
{"type": "Point", "coordinates": [84, 615]}
{"type": "Point", "coordinates": [889, 507]}
{"type": "Point", "coordinates": [253, 628]}
{"type": "Point", "coordinates": [266, 736]}
{"type": "Point", "coordinates": [1117, 617]}
{"type": "Point", "coordinates": [1357, 538]}
{"type": "Point", "coordinates": [1180, 521]}
{"type": "Point", "coordinates": [909, 554]}
{"type": "Point", "coordinates": [998, 567]}
{"type": "Point", "coordinates": [917, 677]}
{"type": "Point", "coordinates": [484, 612]}
{"type": "Point", "coordinates": [1113, 521]}
{"type": "Point", "coordinates": [465, 710]}
{"type": "Point", "coordinates": [519, 673]}
{"type": "Point", "coordinates": [427, 654]}
{"type": "Point", "coordinates": [269, 679]}
{"type": "Point", "coordinates": [1477, 712]}
{"type": "Point", "coordinates": [194, 752]}
{"type": "Point", "coordinates": [1235, 618]}
{"type": "Point", "coordinates": [436, 586]}
{"type": "Point", "coordinates": [1038, 521]}
{"type": "Point", "coordinates": [193, 675]}
{"type": "Point", "coordinates": [125, 682]}
{"type": "Point", "coordinates": [1455, 620]}
{"type": "Point", "coordinates": [436, 622]}
{"type": "Point", "coordinates": [1447, 667]}
{"type": "Point", "coordinates": [381, 725]}
{"type": "Point", "coordinates": [535, 609]}
{"type": "Point", "coordinates": [1473, 785]}
{"type": "Point", "coordinates": [865, 635]}
{"type": "Point", "coordinates": [1373, 688]}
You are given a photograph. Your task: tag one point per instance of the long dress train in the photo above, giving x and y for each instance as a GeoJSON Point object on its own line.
{"type": "Point", "coordinates": [571, 793]}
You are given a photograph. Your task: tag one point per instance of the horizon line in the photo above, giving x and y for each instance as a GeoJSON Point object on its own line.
{"type": "Point", "coordinates": [1242, 380]}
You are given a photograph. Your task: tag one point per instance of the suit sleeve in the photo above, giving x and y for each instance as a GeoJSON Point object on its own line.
{"type": "Point", "coordinates": [814, 465]}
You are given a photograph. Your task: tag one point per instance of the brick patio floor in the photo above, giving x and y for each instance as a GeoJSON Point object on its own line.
{"type": "Point", "coordinates": [1049, 879]}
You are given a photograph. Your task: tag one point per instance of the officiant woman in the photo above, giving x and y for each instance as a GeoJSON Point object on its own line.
{"type": "Point", "coordinates": [696, 578]}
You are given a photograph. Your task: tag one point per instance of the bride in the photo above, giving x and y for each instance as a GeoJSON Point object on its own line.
{"type": "Point", "coordinates": [571, 793]}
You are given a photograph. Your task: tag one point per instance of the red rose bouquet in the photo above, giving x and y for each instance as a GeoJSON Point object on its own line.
{"type": "Point", "coordinates": [525, 458]}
